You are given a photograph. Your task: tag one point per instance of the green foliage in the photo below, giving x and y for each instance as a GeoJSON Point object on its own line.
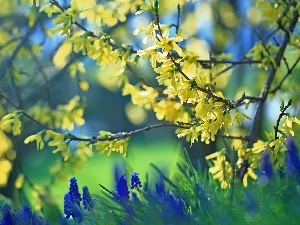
{"type": "Point", "coordinates": [189, 197]}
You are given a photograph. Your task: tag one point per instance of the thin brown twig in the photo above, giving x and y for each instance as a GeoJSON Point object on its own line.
{"type": "Point", "coordinates": [244, 138]}
{"type": "Point", "coordinates": [289, 72]}
{"type": "Point", "coordinates": [24, 113]}
{"type": "Point", "coordinates": [234, 64]}
{"type": "Point", "coordinates": [252, 99]}
{"type": "Point", "coordinates": [282, 114]}
{"type": "Point", "coordinates": [124, 135]}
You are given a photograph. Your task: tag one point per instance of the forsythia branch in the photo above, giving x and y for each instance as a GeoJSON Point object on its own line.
{"type": "Point", "coordinates": [265, 91]}
{"type": "Point", "coordinates": [123, 135]}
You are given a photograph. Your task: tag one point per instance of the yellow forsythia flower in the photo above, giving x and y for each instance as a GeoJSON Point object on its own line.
{"type": "Point", "coordinates": [19, 181]}
{"type": "Point", "coordinates": [36, 137]}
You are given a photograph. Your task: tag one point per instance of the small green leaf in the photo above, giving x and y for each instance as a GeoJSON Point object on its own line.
{"type": "Point", "coordinates": [282, 106]}
{"type": "Point", "coordinates": [289, 102]}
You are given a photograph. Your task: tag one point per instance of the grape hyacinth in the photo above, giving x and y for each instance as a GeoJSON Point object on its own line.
{"type": "Point", "coordinates": [87, 201]}
{"type": "Point", "coordinates": [26, 214]}
{"type": "Point", "coordinates": [160, 189]}
{"type": "Point", "coordinates": [72, 201]}
{"type": "Point", "coordinates": [21, 216]}
{"type": "Point", "coordinates": [122, 188]}
{"type": "Point", "coordinates": [74, 191]}
{"type": "Point", "coordinates": [8, 217]}
{"type": "Point", "coordinates": [135, 181]}
{"type": "Point", "coordinates": [71, 209]}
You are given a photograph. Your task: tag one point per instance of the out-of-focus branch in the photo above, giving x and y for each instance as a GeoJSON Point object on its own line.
{"type": "Point", "coordinates": [8, 61]}
{"type": "Point", "coordinates": [289, 72]}
{"type": "Point", "coordinates": [24, 113]}
{"type": "Point", "coordinates": [252, 135]}
{"type": "Point", "coordinates": [265, 92]}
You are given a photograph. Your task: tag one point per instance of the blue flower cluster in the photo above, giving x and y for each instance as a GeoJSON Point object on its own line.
{"type": "Point", "coordinates": [189, 201]}
{"type": "Point", "coordinates": [135, 181]}
{"type": "Point", "coordinates": [72, 199]}
{"type": "Point", "coordinates": [122, 187]}
{"type": "Point", "coordinates": [19, 217]}
{"type": "Point", "coordinates": [87, 201]}
{"type": "Point", "coordinates": [168, 207]}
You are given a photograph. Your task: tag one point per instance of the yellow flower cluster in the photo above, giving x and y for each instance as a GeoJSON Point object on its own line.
{"type": "Point", "coordinates": [64, 117]}
{"type": "Point", "coordinates": [143, 96]}
{"type": "Point", "coordinates": [7, 154]}
{"type": "Point", "coordinates": [222, 169]}
{"type": "Point", "coordinates": [14, 119]}
{"type": "Point", "coordinates": [254, 155]}
{"type": "Point", "coordinates": [111, 146]}
{"type": "Point", "coordinates": [265, 53]}
{"type": "Point", "coordinates": [109, 13]}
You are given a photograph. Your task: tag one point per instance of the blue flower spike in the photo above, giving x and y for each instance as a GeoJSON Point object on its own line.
{"type": "Point", "coordinates": [122, 188]}
{"type": "Point", "coordinates": [26, 214]}
{"type": "Point", "coordinates": [87, 201]}
{"type": "Point", "coordinates": [71, 209]}
{"type": "Point", "coordinates": [74, 191]}
{"type": "Point", "coordinates": [7, 216]}
{"type": "Point", "coordinates": [72, 202]}
{"type": "Point", "coordinates": [68, 204]}
{"type": "Point", "coordinates": [135, 181]}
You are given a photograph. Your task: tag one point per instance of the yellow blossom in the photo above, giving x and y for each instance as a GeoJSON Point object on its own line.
{"type": "Point", "coordinates": [239, 117]}
{"type": "Point", "coordinates": [118, 145]}
{"type": "Point", "coordinates": [249, 173]}
{"type": "Point", "coordinates": [146, 52]}
{"type": "Point", "coordinates": [287, 125]}
{"type": "Point", "coordinates": [58, 138]}
{"type": "Point", "coordinates": [143, 96]}
{"type": "Point", "coordinates": [169, 44]}
{"type": "Point", "coordinates": [61, 142]}
{"type": "Point", "coordinates": [13, 118]}
{"type": "Point", "coordinates": [19, 181]}
{"type": "Point", "coordinates": [148, 31]}
{"type": "Point", "coordinates": [73, 11]}
{"type": "Point", "coordinates": [146, 7]}
{"type": "Point", "coordinates": [170, 111]}
{"type": "Point", "coordinates": [49, 9]}
{"type": "Point", "coordinates": [36, 137]}
{"type": "Point", "coordinates": [83, 43]}
{"type": "Point", "coordinates": [222, 169]}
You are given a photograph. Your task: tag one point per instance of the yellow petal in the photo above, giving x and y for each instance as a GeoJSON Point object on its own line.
{"type": "Point", "coordinates": [19, 181]}
{"type": "Point", "coordinates": [30, 138]}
